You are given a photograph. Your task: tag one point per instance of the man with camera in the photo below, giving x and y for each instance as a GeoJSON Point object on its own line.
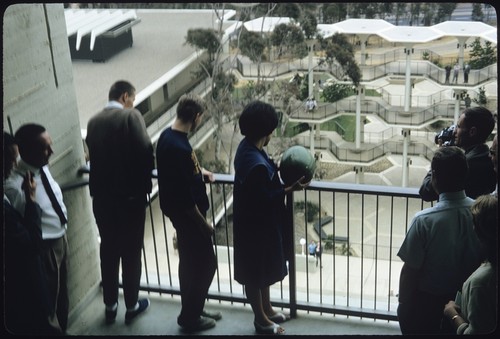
{"type": "Point", "coordinates": [473, 128]}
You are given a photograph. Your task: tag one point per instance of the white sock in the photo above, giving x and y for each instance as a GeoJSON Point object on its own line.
{"type": "Point", "coordinates": [136, 307]}
{"type": "Point", "coordinates": [112, 307]}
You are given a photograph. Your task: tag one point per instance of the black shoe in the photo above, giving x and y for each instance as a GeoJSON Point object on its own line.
{"type": "Point", "coordinates": [130, 315]}
{"type": "Point", "coordinates": [213, 315]}
{"type": "Point", "coordinates": [110, 315]}
{"type": "Point", "coordinates": [203, 323]}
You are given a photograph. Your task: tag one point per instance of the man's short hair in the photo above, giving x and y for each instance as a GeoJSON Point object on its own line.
{"type": "Point", "coordinates": [120, 87]}
{"type": "Point", "coordinates": [188, 106]}
{"type": "Point", "coordinates": [449, 169]}
{"type": "Point", "coordinates": [482, 119]}
{"type": "Point", "coordinates": [27, 137]}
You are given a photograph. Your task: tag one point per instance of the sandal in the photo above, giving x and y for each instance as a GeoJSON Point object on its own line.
{"type": "Point", "coordinates": [279, 317]}
{"type": "Point", "coordinates": [273, 329]}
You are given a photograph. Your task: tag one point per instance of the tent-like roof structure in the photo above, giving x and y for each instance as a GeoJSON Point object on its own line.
{"type": "Point", "coordinates": [464, 28]}
{"type": "Point", "coordinates": [327, 30]}
{"type": "Point", "coordinates": [265, 24]}
{"type": "Point", "coordinates": [362, 26]}
{"type": "Point", "coordinates": [386, 30]}
{"type": "Point", "coordinates": [410, 34]}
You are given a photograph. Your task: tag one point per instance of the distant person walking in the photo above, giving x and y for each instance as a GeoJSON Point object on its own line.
{"type": "Point", "coordinates": [312, 248]}
{"type": "Point", "coordinates": [466, 73]}
{"type": "Point", "coordinates": [456, 70]}
{"type": "Point", "coordinates": [318, 254]}
{"type": "Point", "coordinates": [447, 71]}
{"type": "Point", "coordinates": [309, 105]}
{"type": "Point", "coordinates": [467, 101]}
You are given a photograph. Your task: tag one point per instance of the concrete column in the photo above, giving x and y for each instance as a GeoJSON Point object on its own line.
{"type": "Point", "coordinates": [406, 162]}
{"type": "Point", "coordinates": [311, 137]}
{"type": "Point", "coordinates": [358, 116]}
{"type": "Point", "coordinates": [408, 52]}
{"type": "Point", "coordinates": [458, 97]}
{"type": "Point", "coordinates": [363, 38]}
{"type": "Point", "coordinates": [461, 49]}
{"type": "Point", "coordinates": [310, 44]}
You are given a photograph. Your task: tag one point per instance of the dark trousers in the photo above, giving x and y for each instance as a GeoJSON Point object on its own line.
{"type": "Point", "coordinates": [55, 261]}
{"type": "Point", "coordinates": [121, 228]}
{"type": "Point", "coordinates": [197, 265]}
{"type": "Point", "coordinates": [423, 314]}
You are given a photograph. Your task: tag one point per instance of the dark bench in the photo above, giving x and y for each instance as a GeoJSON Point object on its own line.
{"type": "Point", "coordinates": [318, 227]}
{"type": "Point", "coordinates": [320, 223]}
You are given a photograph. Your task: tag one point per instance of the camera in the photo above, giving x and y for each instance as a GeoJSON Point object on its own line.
{"type": "Point", "coordinates": [446, 136]}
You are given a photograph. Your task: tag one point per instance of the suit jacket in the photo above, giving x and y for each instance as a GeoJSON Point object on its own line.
{"type": "Point", "coordinates": [120, 153]}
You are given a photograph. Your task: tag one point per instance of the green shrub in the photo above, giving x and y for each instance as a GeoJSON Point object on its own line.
{"type": "Point", "coordinates": [312, 209]}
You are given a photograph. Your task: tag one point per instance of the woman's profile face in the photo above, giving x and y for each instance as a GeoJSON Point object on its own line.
{"type": "Point", "coordinates": [268, 138]}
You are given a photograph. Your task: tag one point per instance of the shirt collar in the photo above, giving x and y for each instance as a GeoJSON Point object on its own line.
{"type": "Point", "coordinates": [114, 104]}
{"type": "Point", "coordinates": [23, 167]}
{"type": "Point", "coordinates": [452, 195]}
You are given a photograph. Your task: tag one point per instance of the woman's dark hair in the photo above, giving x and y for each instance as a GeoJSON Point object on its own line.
{"type": "Point", "coordinates": [257, 120]}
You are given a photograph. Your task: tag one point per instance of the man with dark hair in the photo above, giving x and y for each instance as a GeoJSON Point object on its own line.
{"type": "Point", "coordinates": [440, 249]}
{"type": "Point", "coordinates": [34, 145]}
{"type": "Point", "coordinates": [184, 200]}
{"type": "Point", "coordinates": [473, 128]}
{"type": "Point", "coordinates": [24, 276]}
{"type": "Point", "coordinates": [121, 161]}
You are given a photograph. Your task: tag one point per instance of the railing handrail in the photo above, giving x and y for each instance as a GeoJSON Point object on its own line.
{"type": "Point", "coordinates": [314, 185]}
{"type": "Point", "coordinates": [296, 273]}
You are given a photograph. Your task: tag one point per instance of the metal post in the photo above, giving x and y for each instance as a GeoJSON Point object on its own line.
{"type": "Point", "coordinates": [358, 118]}
{"type": "Point", "coordinates": [405, 162]}
{"type": "Point", "coordinates": [408, 51]}
{"type": "Point", "coordinates": [290, 250]}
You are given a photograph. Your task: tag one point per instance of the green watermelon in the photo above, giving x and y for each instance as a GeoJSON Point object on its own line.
{"type": "Point", "coordinates": [297, 162]}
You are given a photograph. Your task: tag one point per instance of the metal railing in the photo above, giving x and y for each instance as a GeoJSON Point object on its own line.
{"type": "Point", "coordinates": [358, 274]}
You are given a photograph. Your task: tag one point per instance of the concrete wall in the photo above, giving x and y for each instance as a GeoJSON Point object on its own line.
{"type": "Point", "coordinates": [38, 87]}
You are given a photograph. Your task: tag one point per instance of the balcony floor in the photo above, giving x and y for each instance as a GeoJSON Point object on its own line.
{"type": "Point", "coordinates": [237, 319]}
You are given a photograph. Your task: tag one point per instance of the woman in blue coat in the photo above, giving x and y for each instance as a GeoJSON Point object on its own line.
{"type": "Point", "coordinates": [259, 216]}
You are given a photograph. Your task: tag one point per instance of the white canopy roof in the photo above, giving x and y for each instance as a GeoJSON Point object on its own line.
{"type": "Point", "coordinates": [388, 31]}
